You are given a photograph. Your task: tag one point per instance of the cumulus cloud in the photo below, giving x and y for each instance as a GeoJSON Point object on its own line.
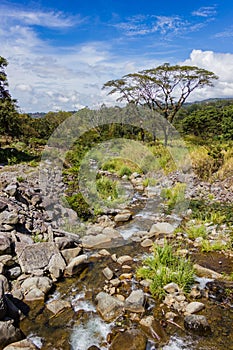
{"type": "Point", "coordinates": [219, 63]}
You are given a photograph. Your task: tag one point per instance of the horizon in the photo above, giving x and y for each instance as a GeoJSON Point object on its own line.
{"type": "Point", "coordinates": [61, 55]}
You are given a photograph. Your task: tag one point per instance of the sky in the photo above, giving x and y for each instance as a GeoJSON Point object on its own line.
{"type": "Point", "coordinates": [61, 52]}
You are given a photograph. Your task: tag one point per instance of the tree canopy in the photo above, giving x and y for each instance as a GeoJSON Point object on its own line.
{"type": "Point", "coordinates": [164, 89]}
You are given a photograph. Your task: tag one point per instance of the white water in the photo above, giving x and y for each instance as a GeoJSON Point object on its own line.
{"type": "Point", "coordinates": [91, 332]}
{"type": "Point", "coordinates": [37, 341]}
{"type": "Point", "coordinates": [79, 303]}
{"type": "Point", "coordinates": [176, 343]}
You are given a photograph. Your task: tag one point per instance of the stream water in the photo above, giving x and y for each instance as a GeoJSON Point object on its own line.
{"type": "Point", "coordinates": [80, 327]}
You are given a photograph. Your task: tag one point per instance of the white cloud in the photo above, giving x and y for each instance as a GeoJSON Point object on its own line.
{"type": "Point", "coordinates": [49, 19]}
{"type": "Point", "coordinates": [228, 33]}
{"type": "Point", "coordinates": [219, 63]}
{"type": "Point", "coordinates": [205, 11]}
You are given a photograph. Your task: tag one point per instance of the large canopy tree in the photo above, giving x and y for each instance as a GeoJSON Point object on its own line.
{"type": "Point", "coordinates": [163, 89]}
{"type": "Point", "coordinates": [9, 123]}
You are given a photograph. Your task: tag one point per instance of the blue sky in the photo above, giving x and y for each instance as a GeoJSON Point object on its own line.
{"type": "Point", "coordinates": [61, 52]}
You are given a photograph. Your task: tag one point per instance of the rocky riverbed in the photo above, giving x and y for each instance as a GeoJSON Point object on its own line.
{"type": "Point", "coordinates": [61, 289]}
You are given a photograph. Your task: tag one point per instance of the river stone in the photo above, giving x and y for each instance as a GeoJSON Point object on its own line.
{"type": "Point", "coordinates": [108, 273]}
{"type": "Point", "coordinates": [194, 307]}
{"type": "Point", "coordinates": [152, 328]}
{"type": "Point", "coordinates": [132, 339]}
{"type": "Point", "coordinates": [147, 243]}
{"type": "Point", "coordinates": [56, 306]}
{"type": "Point", "coordinates": [56, 266]}
{"type": "Point", "coordinates": [5, 243]}
{"type": "Point", "coordinates": [123, 259]}
{"type": "Point", "coordinates": [171, 288]}
{"type": "Point", "coordinates": [135, 301]}
{"type": "Point", "coordinates": [9, 333]}
{"type": "Point", "coordinates": [11, 189]}
{"type": "Point", "coordinates": [122, 217]}
{"type": "Point", "coordinates": [197, 324]}
{"type": "Point", "coordinates": [35, 288]}
{"type": "Point", "coordinates": [162, 227]}
{"type": "Point", "coordinates": [24, 344]}
{"type": "Point", "coordinates": [35, 256]}
{"type": "Point", "coordinates": [76, 265]}
{"type": "Point", "coordinates": [109, 307]}
{"type": "Point", "coordinates": [69, 254]}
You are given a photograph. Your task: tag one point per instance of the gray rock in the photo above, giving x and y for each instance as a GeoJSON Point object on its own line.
{"type": "Point", "coordinates": [14, 272]}
{"type": "Point", "coordinates": [162, 227]}
{"type": "Point", "coordinates": [56, 266]}
{"type": "Point", "coordinates": [194, 307]}
{"type": "Point", "coordinates": [3, 306]}
{"type": "Point", "coordinates": [3, 206]}
{"type": "Point", "coordinates": [135, 301]}
{"type": "Point", "coordinates": [9, 217]}
{"type": "Point", "coordinates": [109, 307]}
{"type": "Point", "coordinates": [147, 243]}
{"type": "Point", "coordinates": [5, 243]}
{"type": "Point", "coordinates": [197, 324]}
{"type": "Point", "coordinates": [11, 189]}
{"type": "Point", "coordinates": [56, 306]}
{"type": "Point", "coordinates": [76, 265]}
{"type": "Point", "coordinates": [171, 288]}
{"type": "Point", "coordinates": [35, 288]}
{"type": "Point", "coordinates": [123, 259]}
{"type": "Point", "coordinates": [8, 333]}
{"type": "Point", "coordinates": [108, 273]}
{"type": "Point", "coordinates": [123, 217]}
{"type": "Point", "coordinates": [69, 254]}
{"type": "Point", "coordinates": [35, 256]}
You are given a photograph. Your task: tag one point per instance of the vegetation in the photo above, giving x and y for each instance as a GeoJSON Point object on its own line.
{"type": "Point", "coordinates": [164, 267]}
{"type": "Point", "coordinates": [158, 88]}
{"type": "Point", "coordinates": [175, 196]}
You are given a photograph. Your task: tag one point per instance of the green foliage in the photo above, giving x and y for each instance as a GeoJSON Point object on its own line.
{"type": "Point", "coordinates": [13, 156]}
{"type": "Point", "coordinates": [194, 232]}
{"type": "Point", "coordinates": [164, 267]}
{"type": "Point", "coordinates": [77, 203]}
{"type": "Point", "coordinates": [175, 196]}
{"type": "Point", "coordinates": [124, 170]}
{"type": "Point", "coordinates": [207, 246]}
{"type": "Point", "coordinates": [107, 188]}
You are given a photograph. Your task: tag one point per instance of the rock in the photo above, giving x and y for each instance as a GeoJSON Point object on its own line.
{"type": "Point", "coordinates": [152, 328]}
{"type": "Point", "coordinates": [171, 288]}
{"type": "Point", "coordinates": [135, 301]}
{"type": "Point", "coordinates": [24, 344]}
{"type": "Point", "coordinates": [76, 265]}
{"type": "Point", "coordinates": [115, 282]}
{"type": "Point", "coordinates": [92, 242]}
{"type": "Point", "coordinates": [162, 227]}
{"type": "Point", "coordinates": [123, 259]}
{"type": "Point", "coordinates": [11, 190]}
{"type": "Point", "coordinates": [56, 266]}
{"type": "Point", "coordinates": [147, 243]}
{"type": "Point", "coordinates": [204, 272]}
{"type": "Point", "coordinates": [104, 252]}
{"type": "Point", "coordinates": [109, 307]}
{"type": "Point", "coordinates": [63, 242]}
{"type": "Point", "coordinates": [197, 324]}
{"type": "Point", "coordinates": [57, 306]}
{"type": "Point", "coordinates": [5, 243]}
{"type": "Point", "coordinates": [194, 307]}
{"type": "Point", "coordinates": [69, 254]}
{"type": "Point", "coordinates": [35, 256]}
{"type": "Point", "coordinates": [35, 288]}
{"type": "Point", "coordinates": [9, 217]}
{"type": "Point", "coordinates": [4, 280]}
{"type": "Point", "coordinates": [170, 315]}
{"type": "Point", "coordinates": [108, 273]}
{"type": "Point", "coordinates": [9, 333]}
{"type": "Point", "coordinates": [14, 272]}
{"type": "Point", "coordinates": [132, 339]}
{"type": "Point", "coordinates": [195, 292]}
{"type": "Point", "coordinates": [123, 217]}
{"type": "Point", "coordinates": [3, 206]}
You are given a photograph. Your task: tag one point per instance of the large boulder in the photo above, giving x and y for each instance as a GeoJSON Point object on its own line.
{"type": "Point", "coordinates": [131, 339]}
{"type": "Point", "coordinates": [162, 227]}
{"type": "Point", "coordinates": [38, 256]}
{"type": "Point", "coordinates": [100, 239]}
{"type": "Point", "coordinates": [109, 307]}
{"type": "Point", "coordinates": [76, 265]}
{"type": "Point", "coordinates": [135, 301]}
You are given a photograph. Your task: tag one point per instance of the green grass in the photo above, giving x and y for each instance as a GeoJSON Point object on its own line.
{"type": "Point", "coordinates": [107, 188]}
{"type": "Point", "coordinates": [164, 267]}
{"type": "Point", "coordinates": [207, 246]}
{"type": "Point", "coordinates": [121, 166]}
{"type": "Point", "coordinates": [175, 196]}
{"type": "Point", "coordinates": [194, 232]}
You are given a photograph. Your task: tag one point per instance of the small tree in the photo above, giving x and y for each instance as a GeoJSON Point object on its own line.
{"type": "Point", "coordinates": [9, 123]}
{"type": "Point", "coordinates": [163, 89]}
